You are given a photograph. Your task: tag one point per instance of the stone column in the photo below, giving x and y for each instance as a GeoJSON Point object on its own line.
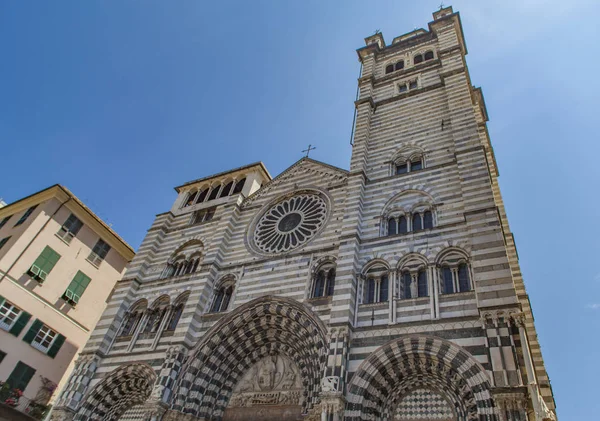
{"type": "Point", "coordinates": [542, 413]}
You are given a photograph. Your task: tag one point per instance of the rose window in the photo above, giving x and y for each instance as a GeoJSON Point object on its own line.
{"type": "Point", "coordinates": [290, 223]}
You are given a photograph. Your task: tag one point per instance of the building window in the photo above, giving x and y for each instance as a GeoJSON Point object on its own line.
{"type": "Point", "coordinates": [203, 215]}
{"type": "Point", "coordinates": [3, 242]}
{"type": "Point", "coordinates": [214, 193]}
{"type": "Point", "coordinates": [226, 190]}
{"type": "Point", "coordinates": [402, 225]}
{"type": "Point", "coordinates": [155, 317]}
{"type": "Point", "coordinates": [202, 195]}
{"type": "Point", "coordinates": [239, 186]}
{"type": "Point", "coordinates": [44, 339]}
{"type": "Point", "coordinates": [427, 220]}
{"type": "Point", "coordinates": [399, 224]}
{"type": "Point", "coordinates": [406, 291]}
{"type": "Point", "coordinates": [428, 55]}
{"type": "Point", "coordinates": [26, 215]}
{"type": "Point", "coordinates": [4, 221]}
{"type": "Point", "coordinates": [324, 282]}
{"type": "Point", "coordinates": [98, 253]}
{"type": "Point", "coordinates": [410, 165]}
{"type": "Point", "coordinates": [191, 198]}
{"type": "Point", "coordinates": [456, 278]}
{"type": "Point", "coordinates": [20, 376]}
{"type": "Point", "coordinates": [399, 65]}
{"type": "Point", "coordinates": [175, 316]}
{"type": "Point", "coordinates": [409, 85]}
{"type": "Point", "coordinates": [222, 299]}
{"type": "Point", "coordinates": [44, 264]}
{"type": "Point", "coordinates": [419, 58]}
{"type": "Point", "coordinates": [132, 319]}
{"type": "Point", "coordinates": [422, 283]}
{"type": "Point", "coordinates": [8, 314]}
{"type": "Point", "coordinates": [70, 228]}
{"type": "Point", "coordinates": [377, 285]}
{"type": "Point", "coordinates": [392, 226]}
{"type": "Point", "coordinates": [76, 288]}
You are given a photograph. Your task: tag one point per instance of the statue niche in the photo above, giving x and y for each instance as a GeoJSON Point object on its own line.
{"type": "Point", "coordinates": [270, 390]}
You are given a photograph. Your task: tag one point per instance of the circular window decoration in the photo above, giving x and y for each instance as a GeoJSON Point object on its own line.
{"type": "Point", "coordinates": [290, 223]}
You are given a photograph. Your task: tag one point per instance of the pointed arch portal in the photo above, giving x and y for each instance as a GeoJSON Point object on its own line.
{"type": "Point", "coordinates": [124, 387]}
{"type": "Point", "coordinates": [266, 326]}
{"type": "Point", "coordinates": [414, 368]}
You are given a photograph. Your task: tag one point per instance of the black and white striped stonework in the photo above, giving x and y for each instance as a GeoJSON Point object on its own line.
{"type": "Point", "coordinates": [386, 358]}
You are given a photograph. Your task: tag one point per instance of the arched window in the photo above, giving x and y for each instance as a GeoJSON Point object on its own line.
{"type": "Point", "coordinates": [464, 283]}
{"type": "Point", "coordinates": [191, 198]}
{"type": "Point", "coordinates": [427, 220]}
{"type": "Point", "coordinates": [422, 283]}
{"type": "Point", "coordinates": [417, 223]}
{"type": "Point", "coordinates": [202, 195]}
{"type": "Point", "coordinates": [324, 282]}
{"type": "Point", "coordinates": [406, 285]}
{"type": "Point", "coordinates": [222, 297]}
{"type": "Point", "coordinates": [227, 189]}
{"type": "Point", "coordinates": [402, 168]}
{"type": "Point", "coordinates": [239, 186]}
{"type": "Point", "coordinates": [377, 285]}
{"type": "Point", "coordinates": [429, 55]}
{"type": "Point", "coordinates": [392, 226]}
{"type": "Point", "coordinates": [399, 65]}
{"type": "Point", "coordinates": [402, 225]}
{"type": "Point", "coordinates": [389, 68]}
{"type": "Point", "coordinates": [448, 281]}
{"type": "Point", "coordinates": [416, 164]}
{"type": "Point", "coordinates": [132, 319]}
{"type": "Point", "coordinates": [214, 193]}
{"type": "Point", "coordinates": [175, 316]}
{"type": "Point", "coordinates": [418, 59]}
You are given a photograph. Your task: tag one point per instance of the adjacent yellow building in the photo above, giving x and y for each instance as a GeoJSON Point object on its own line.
{"type": "Point", "coordinates": [59, 263]}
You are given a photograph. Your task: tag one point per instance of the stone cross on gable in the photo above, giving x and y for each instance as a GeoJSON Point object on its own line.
{"type": "Point", "coordinates": [310, 148]}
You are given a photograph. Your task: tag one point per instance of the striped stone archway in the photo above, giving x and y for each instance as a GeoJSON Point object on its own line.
{"type": "Point", "coordinates": [124, 387]}
{"type": "Point", "coordinates": [419, 363]}
{"type": "Point", "coordinates": [265, 326]}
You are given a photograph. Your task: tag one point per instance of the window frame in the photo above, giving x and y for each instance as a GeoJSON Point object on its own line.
{"type": "Point", "coordinates": [25, 215]}
{"type": "Point", "coordinates": [7, 312]}
{"type": "Point", "coordinates": [5, 220]}
{"type": "Point", "coordinates": [49, 332]}
{"type": "Point", "coordinates": [4, 241]}
{"type": "Point", "coordinates": [95, 258]}
{"type": "Point", "coordinates": [68, 233]}
{"type": "Point", "coordinates": [40, 270]}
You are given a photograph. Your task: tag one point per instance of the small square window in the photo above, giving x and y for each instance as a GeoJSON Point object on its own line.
{"type": "Point", "coordinates": [402, 88]}
{"type": "Point", "coordinates": [413, 85]}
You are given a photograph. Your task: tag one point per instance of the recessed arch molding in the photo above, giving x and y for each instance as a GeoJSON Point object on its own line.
{"type": "Point", "coordinates": [408, 363]}
{"type": "Point", "coordinates": [265, 326]}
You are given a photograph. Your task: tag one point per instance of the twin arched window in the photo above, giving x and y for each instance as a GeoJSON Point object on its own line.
{"type": "Point", "coordinates": [133, 318]}
{"type": "Point", "coordinates": [324, 282]}
{"type": "Point", "coordinates": [414, 284]}
{"type": "Point", "coordinates": [406, 223]}
{"type": "Point", "coordinates": [399, 65]}
{"type": "Point", "coordinates": [455, 278]}
{"type": "Point", "coordinates": [222, 297]}
{"type": "Point", "coordinates": [409, 165]}
{"type": "Point", "coordinates": [214, 192]}
{"type": "Point", "coordinates": [419, 58]}
{"type": "Point", "coordinates": [377, 285]}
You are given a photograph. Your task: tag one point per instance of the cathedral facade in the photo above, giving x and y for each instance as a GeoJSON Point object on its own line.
{"type": "Point", "coordinates": [389, 291]}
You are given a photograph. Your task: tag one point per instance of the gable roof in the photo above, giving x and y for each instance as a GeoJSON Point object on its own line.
{"type": "Point", "coordinates": [301, 161]}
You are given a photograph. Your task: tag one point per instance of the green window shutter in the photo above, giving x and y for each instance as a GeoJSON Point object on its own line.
{"type": "Point", "coordinates": [44, 263]}
{"type": "Point", "coordinates": [20, 323]}
{"type": "Point", "coordinates": [33, 330]}
{"type": "Point", "coordinates": [77, 286]}
{"type": "Point", "coordinates": [20, 376]}
{"type": "Point", "coordinates": [58, 342]}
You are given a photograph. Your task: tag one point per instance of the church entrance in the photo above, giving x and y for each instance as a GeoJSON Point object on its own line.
{"type": "Point", "coordinates": [270, 390]}
{"type": "Point", "coordinates": [263, 361]}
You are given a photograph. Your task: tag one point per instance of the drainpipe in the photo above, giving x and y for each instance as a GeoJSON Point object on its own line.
{"type": "Point", "coordinates": [33, 239]}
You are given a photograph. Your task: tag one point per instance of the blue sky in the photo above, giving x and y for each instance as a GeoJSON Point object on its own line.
{"type": "Point", "coordinates": [122, 101]}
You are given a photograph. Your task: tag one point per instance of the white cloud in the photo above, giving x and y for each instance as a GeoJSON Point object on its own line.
{"type": "Point", "coordinates": [594, 306]}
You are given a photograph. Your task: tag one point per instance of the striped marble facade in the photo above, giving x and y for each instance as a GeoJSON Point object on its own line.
{"type": "Point", "coordinates": [471, 354]}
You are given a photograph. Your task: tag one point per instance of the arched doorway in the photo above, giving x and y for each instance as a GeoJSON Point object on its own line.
{"type": "Point", "coordinates": [420, 378]}
{"type": "Point", "coordinates": [124, 387]}
{"type": "Point", "coordinates": [279, 341]}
